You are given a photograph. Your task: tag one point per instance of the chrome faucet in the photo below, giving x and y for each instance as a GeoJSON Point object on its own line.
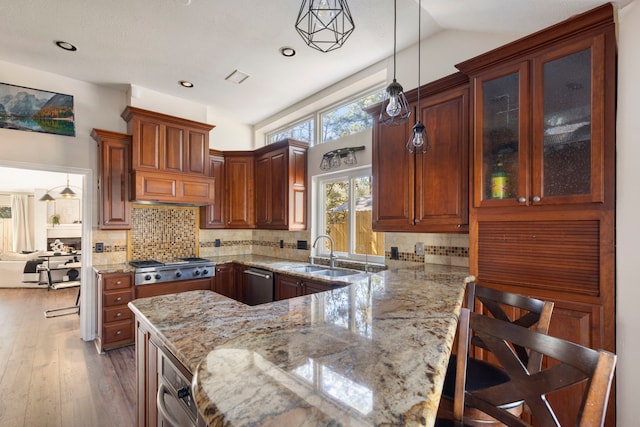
{"type": "Point", "coordinates": [332, 257]}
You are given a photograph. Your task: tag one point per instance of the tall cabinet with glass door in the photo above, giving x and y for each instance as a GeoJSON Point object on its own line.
{"type": "Point", "coordinates": [541, 220]}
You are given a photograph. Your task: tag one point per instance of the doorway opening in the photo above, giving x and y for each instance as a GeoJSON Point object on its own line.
{"type": "Point", "coordinates": [63, 220]}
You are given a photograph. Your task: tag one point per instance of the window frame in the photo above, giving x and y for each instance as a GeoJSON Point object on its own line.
{"type": "Point", "coordinates": [316, 116]}
{"type": "Point", "coordinates": [344, 175]}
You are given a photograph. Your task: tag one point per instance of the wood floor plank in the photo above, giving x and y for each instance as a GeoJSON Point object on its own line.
{"type": "Point", "coordinates": [55, 378]}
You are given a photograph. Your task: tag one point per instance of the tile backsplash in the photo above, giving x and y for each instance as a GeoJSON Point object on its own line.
{"type": "Point", "coordinates": [166, 232]}
{"type": "Point", "coordinates": [163, 233]}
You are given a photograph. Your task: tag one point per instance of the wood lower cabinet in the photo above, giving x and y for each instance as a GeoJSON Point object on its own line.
{"type": "Point", "coordinates": [225, 281]}
{"type": "Point", "coordinates": [425, 192]}
{"type": "Point", "coordinates": [114, 154]}
{"type": "Point", "coordinates": [146, 375]}
{"type": "Point", "coordinates": [115, 320]}
{"type": "Point", "coordinates": [153, 290]}
{"type": "Point", "coordinates": [542, 218]}
{"type": "Point", "coordinates": [287, 286]}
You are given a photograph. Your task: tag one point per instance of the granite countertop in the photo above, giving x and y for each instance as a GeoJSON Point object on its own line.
{"type": "Point", "coordinates": [371, 353]}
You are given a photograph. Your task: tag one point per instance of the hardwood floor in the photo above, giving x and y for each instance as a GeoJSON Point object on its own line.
{"type": "Point", "coordinates": [51, 377]}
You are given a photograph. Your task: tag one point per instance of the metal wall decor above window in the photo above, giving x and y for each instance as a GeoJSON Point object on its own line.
{"type": "Point", "coordinates": [324, 24]}
{"type": "Point", "coordinates": [395, 108]}
{"type": "Point", "coordinates": [333, 159]}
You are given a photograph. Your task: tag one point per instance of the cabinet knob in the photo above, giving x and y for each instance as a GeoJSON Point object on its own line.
{"type": "Point", "coordinates": [118, 282]}
{"type": "Point", "coordinates": [536, 199]}
{"type": "Point", "coordinates": [118, 314]}
{"type": "Point", "coordinates": [521, 199]}
{"type": "Point", "coordinates": [118, 332]}
{"type": "Point", "coordinates": [459, 226]}
{"type": "Point", "coordinates": [118, 299]}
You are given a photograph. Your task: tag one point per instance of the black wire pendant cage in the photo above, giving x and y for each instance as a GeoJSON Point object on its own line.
{"type": "Point", "coordinates": [325, 24]}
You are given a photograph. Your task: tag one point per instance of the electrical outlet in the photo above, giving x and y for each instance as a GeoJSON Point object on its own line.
{"type": "Point", "coordinates": [99, 248]}
{"type": "Point", "coordinates": [420, 248]}
{"type": "Point", "coordinates": [394, 252]}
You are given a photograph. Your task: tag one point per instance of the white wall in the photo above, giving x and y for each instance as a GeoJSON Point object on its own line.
{"type": "Point", "coordinates": [227, 134]}
{"type": "Point", "coordinates": [628, 214]}
{"type": "Point", "coordinates": [94, 106]}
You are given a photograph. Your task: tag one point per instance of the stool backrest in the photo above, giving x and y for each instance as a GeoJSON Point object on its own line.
{"type": "Point", "coordinates": [575, 364]}
{"type": "Point", "coordinates": [532, 313]}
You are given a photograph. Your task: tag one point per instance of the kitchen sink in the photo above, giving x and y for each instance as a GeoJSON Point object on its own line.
{"type": "Point", "coordinates": [337, 273]}
{"type": "Point", "coordinates": [309, 268]}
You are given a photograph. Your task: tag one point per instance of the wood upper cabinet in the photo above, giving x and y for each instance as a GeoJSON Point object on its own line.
{"type": "Point", "coordinates": [280, 185]}
{"type": "Point", "coordinates": [239, 182]}
{"type": "Point", "coordinates": [425, 192]}
{"type": "Point", "coordinates": [542, 122]}
{"type": "Point", "coordinates": [213, 215]}
{"type": "Point", "coordinates": [169, 158]}
{"type": "Point", "coordinates": [166, 143]}
{"type": "Point", "coordinates": [114, 153]}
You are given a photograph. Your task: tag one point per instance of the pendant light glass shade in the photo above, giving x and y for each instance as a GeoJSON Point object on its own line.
{"type": "Point", "coordinates": [395, 108]}
{"type": "Point", "coordinates": [324, 24]}
{"type": "Point", "coordinates": [419, 141]}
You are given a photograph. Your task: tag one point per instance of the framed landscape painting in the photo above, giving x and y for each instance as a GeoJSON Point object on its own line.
{"type": "Point", "coordinates": [36, 110]}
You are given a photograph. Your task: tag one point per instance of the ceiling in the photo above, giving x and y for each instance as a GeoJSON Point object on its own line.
{"type": "Point", "coordinates": [27, 180]}
{"type": "Point", "coordinates": [156, 43]}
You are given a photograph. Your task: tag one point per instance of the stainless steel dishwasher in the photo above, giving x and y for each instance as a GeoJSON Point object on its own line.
{"type": "Point", "coordinates": [259, 286]}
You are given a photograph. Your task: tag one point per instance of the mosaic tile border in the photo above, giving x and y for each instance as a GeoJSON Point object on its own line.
{"type": "Point", "coordinates": [449, 251]}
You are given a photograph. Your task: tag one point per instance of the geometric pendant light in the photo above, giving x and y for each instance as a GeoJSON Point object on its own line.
{"type": "Point", "coordinates": [324, 24]}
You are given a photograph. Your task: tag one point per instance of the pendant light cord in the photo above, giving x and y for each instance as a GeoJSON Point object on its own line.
{"type": "Point", "coordinates": [419, 61]}
{"type": "Point", "coordinates": [395, 11]}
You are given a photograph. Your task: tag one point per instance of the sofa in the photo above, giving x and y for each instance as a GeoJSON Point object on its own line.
{"type": "Point", "coordinates": [12, 270]}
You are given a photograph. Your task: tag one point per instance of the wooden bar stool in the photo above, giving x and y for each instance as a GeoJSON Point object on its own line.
{"type": "Point", "coordinates": [508, 307]}
{"type": "Point", "coordinates": [571, 365]}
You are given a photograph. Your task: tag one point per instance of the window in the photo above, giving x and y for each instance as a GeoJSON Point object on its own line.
{"type": "Point", "coordinates": [345, 214]}
{"type": "Point", "coordinates": [341, 120]}
{"type": "Point", "coordinates": [302, 131]}
{"type": "Point", "coordinates": [348, 118]}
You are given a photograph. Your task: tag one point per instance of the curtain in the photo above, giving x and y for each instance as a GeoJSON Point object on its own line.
{"type": "Point", "coordinates": [21, 223]}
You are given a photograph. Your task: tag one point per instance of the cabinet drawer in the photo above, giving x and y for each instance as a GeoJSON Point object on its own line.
{"type": "Point", "coordinates": [117, 282]}
{"type": "Point", "coordinates": [119, 331]}
{"type": "Point", "coordinates": [117, 298]}
{"type": "Point", "coordinates": [115, 314]}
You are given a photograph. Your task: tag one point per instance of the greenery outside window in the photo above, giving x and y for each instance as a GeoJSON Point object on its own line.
{"type": "Point", "coordinates": [344, 213]}
{"type": "Point", "coordinates": [348, 118]}
{"type": "Point", "coordinates": [302, 131]}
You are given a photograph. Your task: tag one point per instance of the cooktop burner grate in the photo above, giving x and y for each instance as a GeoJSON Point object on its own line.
{"type": "Point", "coordinates": [145, 263]}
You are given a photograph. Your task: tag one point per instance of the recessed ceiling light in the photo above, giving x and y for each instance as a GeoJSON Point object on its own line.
{"type": "Point", "coordinates": [186, 83]}
{"type": "Point", "coordinates": [237, 77]}
{"type": "Point", "coordinates": [287, 51]}
{"type": "Point", "coordinates": [66, 46]}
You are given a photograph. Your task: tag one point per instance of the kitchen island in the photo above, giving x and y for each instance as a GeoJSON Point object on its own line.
{"type": "Point", "coordinates": [374, 352]}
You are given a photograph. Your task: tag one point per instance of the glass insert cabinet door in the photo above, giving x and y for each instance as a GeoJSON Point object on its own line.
{"type": "Point", "coordinates": [502, 140]}
{"type": "Point", "coordinates": [568, 128]}
{"type": "Point", "coordinates": [539, 129]}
